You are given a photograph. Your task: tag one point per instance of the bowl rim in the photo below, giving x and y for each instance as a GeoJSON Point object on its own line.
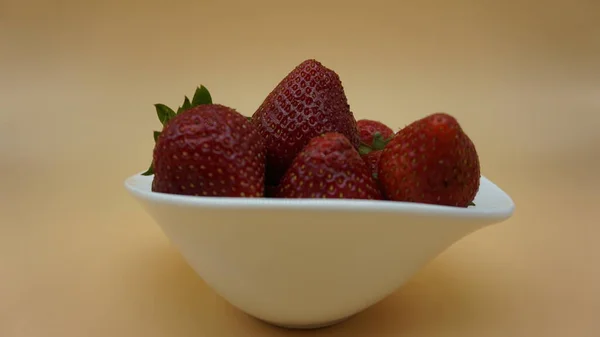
{"type": "Point", "coordinates": [139, 186]}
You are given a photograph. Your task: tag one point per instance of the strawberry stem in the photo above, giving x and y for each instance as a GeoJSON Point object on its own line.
{"type": "Point", "coordinates": [377, 144]}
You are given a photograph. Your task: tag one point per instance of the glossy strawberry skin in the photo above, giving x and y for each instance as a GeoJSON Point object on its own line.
{"type": "Point", "coordinates": [430, 161]}
{"type": "Point", "coordinates": [209, 150]}
{"type": "Point", "coordinates": [329, 167]}
{"type": "Point", "coordinates": [308, 102]}
{"type": "Point", "coordinates": [367, 128]}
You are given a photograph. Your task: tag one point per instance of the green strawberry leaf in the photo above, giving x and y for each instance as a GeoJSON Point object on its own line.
{"type": "Point", "coordinates": [186, 105]}
{"type": "Point", "coordinates": [471, 204]}
{"type": "Point", "coordinates": [201, 96]}
{"type": "Point", "coordinates": [164, 113]}
{"type": "Point", "coordinates": [364, 149]}
{"type": "Point", "coordinates": [150, 171]}
{"type": "Point", "coordinates": [378, 142]}
{"type": "Point", "coordinates": [249, 118]}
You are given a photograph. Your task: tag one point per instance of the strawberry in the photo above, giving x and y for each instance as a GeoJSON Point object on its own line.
{"type": "Point", "coordinates": [308, 102]}
{"type": "Point", "coordinates": [329, 167]}
{"type": "Point", "coordinates": [372, 160]}
{"type": "Point", "coordinates": [430, 161]}
{"type": "Point", "coordinates": [208, 149]}
{"type": "Point", "coordinates": [368, 129]}
{"type": "Point", "coordinates": [374, 135]}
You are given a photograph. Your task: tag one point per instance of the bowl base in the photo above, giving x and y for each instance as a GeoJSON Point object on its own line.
{"type": "Point", "coordinates": [307, 326]}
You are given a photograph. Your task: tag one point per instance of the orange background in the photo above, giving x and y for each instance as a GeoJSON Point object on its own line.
{"type": "Point", "coordinates": [78, 256]}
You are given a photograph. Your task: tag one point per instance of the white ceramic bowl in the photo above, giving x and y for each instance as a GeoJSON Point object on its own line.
{"type": "Point", "coordinates": [307, 263]}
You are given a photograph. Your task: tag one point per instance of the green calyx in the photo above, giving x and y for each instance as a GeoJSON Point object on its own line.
{"type": "Point", "coordinates": [378, 144]}
{"type": "Point", "coordinates": [165, 114]}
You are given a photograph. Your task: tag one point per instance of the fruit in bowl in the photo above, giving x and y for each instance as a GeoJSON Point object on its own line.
{"type": "Point", "coordinates": [302, 216]}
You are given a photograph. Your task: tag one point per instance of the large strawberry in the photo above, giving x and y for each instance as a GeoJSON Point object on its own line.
{"type": "Point", "coordinates": [329, 167]}
{"type": "Point", "coordinates": [308, 102]}
{"type": "Point", "coordinates": [431, 161]}
{"type": "Point", "coordinates": [208, 150]}
{"type": "Point", "coordinates": [374, 135]}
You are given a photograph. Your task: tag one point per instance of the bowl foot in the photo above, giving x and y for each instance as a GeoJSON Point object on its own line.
{"type": "Point", "coordinates": [307, 326]}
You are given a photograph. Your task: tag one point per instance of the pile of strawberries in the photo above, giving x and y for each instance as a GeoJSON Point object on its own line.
{"type": "Point", "coordinates": [304, 142]}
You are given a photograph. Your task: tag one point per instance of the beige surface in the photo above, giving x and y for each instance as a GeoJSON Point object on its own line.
{"type": "Point", "coordinates": [77, 82]}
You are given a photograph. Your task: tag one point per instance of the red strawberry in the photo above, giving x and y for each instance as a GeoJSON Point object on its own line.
{"type": "Point", "coordinates": [430, 161]}
{"type": "Point", "coordinates": [329, 167]}
{"type": "Point", "coordinates": [374, 136]}
{"type": "Point", "coordinates": [372, 160]}
{"type": "Point", "coordinates": [209, 150]}
{"type": "Point", "coordinates": [308, 102]}
{"type": "Point", "coordinates": [367, 129]}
